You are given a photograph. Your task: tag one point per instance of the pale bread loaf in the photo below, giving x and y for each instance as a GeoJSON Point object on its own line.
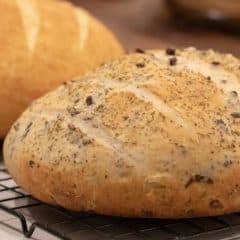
{"type": "Point", "coordinates": [44, 43]}
{"type": "Point", "coordinates": [151, 134]}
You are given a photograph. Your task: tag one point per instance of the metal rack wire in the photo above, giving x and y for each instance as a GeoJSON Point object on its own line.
{"type": "Point", "coordinates": [32, 215]}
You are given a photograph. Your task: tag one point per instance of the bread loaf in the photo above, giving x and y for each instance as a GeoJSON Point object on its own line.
{"type": "Point", "coordinates": [44, 43]}
{"type": "Point", "coordinates": [152, 134]}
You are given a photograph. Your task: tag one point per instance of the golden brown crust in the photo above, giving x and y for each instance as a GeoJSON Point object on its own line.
{"type": "Point", "coordinates": [154, 134]}
{"type": "Point", "coordinates": [44, 43]}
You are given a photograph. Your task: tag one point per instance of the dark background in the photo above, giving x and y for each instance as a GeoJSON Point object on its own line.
{"type": "Point", "coordinates": [147, 24]}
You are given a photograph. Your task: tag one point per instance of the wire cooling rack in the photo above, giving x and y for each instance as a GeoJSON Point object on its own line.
{"type": "Point", "coordinates": [31, 216]}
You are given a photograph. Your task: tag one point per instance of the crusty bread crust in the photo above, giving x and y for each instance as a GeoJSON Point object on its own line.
{"type": "Point", "coordinates": [151, 134]}
{"type": "Point", "coordinates": [44, 43]}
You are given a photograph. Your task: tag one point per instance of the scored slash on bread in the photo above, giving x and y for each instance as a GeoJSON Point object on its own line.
{"type": "Point", "coordinates": [138, 137]}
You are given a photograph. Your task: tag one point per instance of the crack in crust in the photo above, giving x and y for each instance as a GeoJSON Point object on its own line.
{"type": "Point", "coordinates": [31, 21]}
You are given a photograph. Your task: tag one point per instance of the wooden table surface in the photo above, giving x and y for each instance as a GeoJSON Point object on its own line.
{"type": "Point", "coordinates": [147, 24]}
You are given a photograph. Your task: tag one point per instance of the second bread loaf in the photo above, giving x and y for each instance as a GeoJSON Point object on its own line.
{"type": "Point", "coordinates": [43, 43]}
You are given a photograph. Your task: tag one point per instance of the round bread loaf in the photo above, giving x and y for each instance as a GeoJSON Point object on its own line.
{"type": "Point", "coordinates": [153, 134]}
{"type": "Point", "coordinates": [44, 43]}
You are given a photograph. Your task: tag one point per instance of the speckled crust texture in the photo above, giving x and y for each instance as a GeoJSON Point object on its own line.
{"type": "Point", "coordinates": [152, 134]}
{"type": "Point", "coordinates": [44, 43]}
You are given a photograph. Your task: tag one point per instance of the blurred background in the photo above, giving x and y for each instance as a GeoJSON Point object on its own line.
{"type": "Point", "coordinates": [177, 23]}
